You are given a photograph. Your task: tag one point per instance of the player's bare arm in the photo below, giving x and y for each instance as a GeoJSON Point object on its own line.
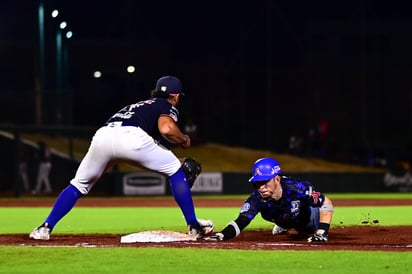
{"type": "Point", "coordinates": [325, 215]}
{"type": "Point", "coordinates": [170, 130]}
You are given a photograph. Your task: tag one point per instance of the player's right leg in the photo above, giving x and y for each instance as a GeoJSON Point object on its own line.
{"type": "Point", "coordinates": [88, 172]}
{"type": "Point", "coordinates": [63, 204]}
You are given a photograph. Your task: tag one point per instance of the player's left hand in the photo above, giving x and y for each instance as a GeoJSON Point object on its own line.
{"type": "Point", "coordinates": [186, 143]}
{"type": "Point", "coordinates": [192, 169]}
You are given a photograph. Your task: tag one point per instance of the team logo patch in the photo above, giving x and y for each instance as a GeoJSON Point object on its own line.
{"type": "Point", "coordinates": [295, 206]}
{"type": "Point", "coordinates": [245, 207]}
{"type": "Point", "coordinates": [274, 170]}
{"type": "Point", "coordinates": [258, 172]}
{"type": "Point", "coordinates": [315, 196]}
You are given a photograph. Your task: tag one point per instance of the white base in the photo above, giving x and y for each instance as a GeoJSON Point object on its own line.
{"type": "Point", "coordinates": [157, 236]}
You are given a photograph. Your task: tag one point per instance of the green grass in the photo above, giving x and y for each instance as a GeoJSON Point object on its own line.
{"type": "Point", "coordinates": [31, 259]}
{"type": "Point", "coordinates": [168, 260]}
{"type": "Point", "coordinates": [127, 220]}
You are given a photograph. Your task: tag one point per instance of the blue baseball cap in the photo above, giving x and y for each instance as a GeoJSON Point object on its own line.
{"type": "Point", "coordinates": [170, 85]}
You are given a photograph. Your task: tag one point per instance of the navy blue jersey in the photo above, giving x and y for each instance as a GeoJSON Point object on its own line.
{"type": "Point", "coordinates": [291, 211]}
{"type": "Point", "coordinates": [145, 115]}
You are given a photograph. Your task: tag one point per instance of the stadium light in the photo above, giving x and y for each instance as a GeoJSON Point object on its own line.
{"type": "Point", "coordinates": [63, 25]}
{"type": "Point", "coordinates": [55, 13]}
{"type": "Point", "coordinates": [97, 74]}
{"type": "Point", "coordinates": [69, 34]}
{"type": "Point", "coordinates": [131, 69]}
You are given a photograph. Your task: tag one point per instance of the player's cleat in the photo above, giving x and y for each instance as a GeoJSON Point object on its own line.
{"type": "Point", "coordinates": [278, 230]}
{"type": "Point", "coordinates": [193, 231]}
{"type": "Point", "coordinates": [319, 236]}
{"type": "Point", "coordinates": [206, 227]}
{"type": "Point", "coordinates": [40, 233]}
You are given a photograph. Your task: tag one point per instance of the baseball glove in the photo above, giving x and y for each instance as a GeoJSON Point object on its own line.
{"type": "Point", "coordinates": [192, 169]}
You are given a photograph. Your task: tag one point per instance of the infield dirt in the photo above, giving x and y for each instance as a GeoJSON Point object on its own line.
{"type": "Point", "coordinates": [368, 235]}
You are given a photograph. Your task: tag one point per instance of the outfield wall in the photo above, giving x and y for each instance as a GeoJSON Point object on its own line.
{"type": "Point", "coordinates": [146, 183]}
{"type": "Point", "coordinates": [237, 183]}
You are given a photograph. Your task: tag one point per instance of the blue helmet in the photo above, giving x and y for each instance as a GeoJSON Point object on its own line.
{"type": "Point", "coordinates": [264, 169]}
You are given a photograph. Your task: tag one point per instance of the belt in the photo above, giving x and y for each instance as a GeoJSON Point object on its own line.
{"type": "Point", "coordinates": [120, 124]}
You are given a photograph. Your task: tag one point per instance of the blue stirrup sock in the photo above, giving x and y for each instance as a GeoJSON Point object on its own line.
{"type": "Point", "coordinates": [63, 204]}
{"type": "Point", "coordinates": [183, 196]}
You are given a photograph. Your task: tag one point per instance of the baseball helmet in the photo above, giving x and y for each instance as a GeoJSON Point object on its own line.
{"type": "Point", "coordinates": [264, 169]}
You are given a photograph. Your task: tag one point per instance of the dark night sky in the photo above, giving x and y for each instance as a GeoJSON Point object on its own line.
{"type": "Point", "coordinates": [255, 72]}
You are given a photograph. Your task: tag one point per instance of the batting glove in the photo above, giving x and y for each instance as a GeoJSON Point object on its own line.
{"type": "Point", "coordinates": [278, 230]}
{"type": "Point", "coordinates": [214, 238]}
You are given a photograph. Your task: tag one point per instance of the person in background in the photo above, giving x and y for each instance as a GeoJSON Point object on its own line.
{"type": "Point", "coordinates": [44, 169]}
{"type": "Point", "coordinates": [24, 166]}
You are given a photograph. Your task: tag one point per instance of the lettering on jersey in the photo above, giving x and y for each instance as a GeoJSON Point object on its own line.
{"type": "Point", "coordinates": [295, 206]}
{"type": "Point", "coordinates": [126, 115]}
{"type": "Point", "coordinates": [173, 116]}
{"type": "Point", "coordinates": [127, 112]}
{"type": "Point", "coordinates": [245, 207]}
